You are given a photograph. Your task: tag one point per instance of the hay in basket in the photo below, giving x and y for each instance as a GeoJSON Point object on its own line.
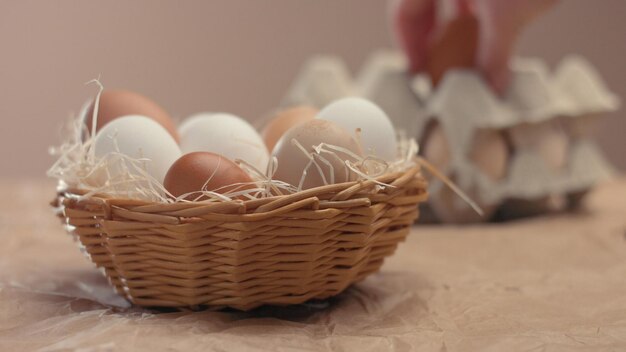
{"type": "Point", "coordinates": [277, 247]}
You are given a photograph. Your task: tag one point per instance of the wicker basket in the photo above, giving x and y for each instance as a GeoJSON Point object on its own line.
{"type": "Point", "coordinates": [280, 250]}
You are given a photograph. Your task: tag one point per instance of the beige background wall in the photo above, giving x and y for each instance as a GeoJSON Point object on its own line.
{"type": "Point", "coordinates": [231, 55]}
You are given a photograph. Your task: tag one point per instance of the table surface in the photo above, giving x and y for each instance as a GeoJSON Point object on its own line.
{"type": "Point", "coordinates": [546, 284]}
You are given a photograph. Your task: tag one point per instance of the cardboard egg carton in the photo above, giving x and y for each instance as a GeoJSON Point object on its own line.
{"type": "Point", "coordinates": [321, 80]}
{"type": "Point", "coordinates": [545, 117]}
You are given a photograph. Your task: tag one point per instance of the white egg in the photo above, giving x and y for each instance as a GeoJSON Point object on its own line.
{"type": "Point", "coordinates": [293, 162]}
{"type": "Point", "coordinates": [377, 136]}
{"type": "Point", "coordinates": [138, 137]}
{"type": "Point", "coordinates": [224, 134]}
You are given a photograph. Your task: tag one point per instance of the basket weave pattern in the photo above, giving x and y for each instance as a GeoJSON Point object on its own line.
{"type": "Point", "coordinates": [242, 254]}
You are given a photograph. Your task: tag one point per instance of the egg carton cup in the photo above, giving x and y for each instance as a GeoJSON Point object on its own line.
{"type": "Point", "coordinates": [571, 98]}
{"type": "Point", "coordinates": [279, 250]}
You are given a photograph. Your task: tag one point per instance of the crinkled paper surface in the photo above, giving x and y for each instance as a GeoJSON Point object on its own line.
{"type": "Point", "coordinates": [544, 284]}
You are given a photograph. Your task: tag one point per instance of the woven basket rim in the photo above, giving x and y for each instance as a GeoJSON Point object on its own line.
{"type": "Point", "coordinates": [343, 191]}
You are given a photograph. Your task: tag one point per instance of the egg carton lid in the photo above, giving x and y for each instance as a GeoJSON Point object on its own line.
{"type": "Point", "coordinates": [321, 80]}
{"type": "Point", "coordinates": [384, 80]}
{"type": "Point", "coordinates": [534, 95]}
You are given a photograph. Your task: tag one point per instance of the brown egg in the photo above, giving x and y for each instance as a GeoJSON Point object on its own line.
{"type": "Point", "coordinates": [490, 153]}
{"type": "Point", "coordinates": [118, 103]}
{"type": "Point", "coordinates": [292, 160]}
{"type": "Point", "coordinates": [192, 171]}
{"type": "Point", "coordinates": [436, 149]}
{"type": "Point", "coordinates": [455, 45]}
{"type": "Point", "coordinates": [547, 139]}
{"type": "Point", "coordinates": [284, 120]}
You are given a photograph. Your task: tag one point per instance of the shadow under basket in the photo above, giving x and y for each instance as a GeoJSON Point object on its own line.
{"type": "Point", "coordinates": [279, 250]}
